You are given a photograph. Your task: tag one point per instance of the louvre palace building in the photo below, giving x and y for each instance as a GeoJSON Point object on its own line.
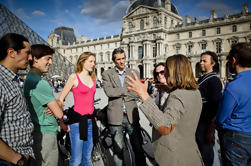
{"type": "Point", "coordinates": [152, 31]}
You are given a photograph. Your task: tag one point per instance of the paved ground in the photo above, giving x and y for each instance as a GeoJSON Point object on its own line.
{"type": "Point", "coordinates": [143, 121]}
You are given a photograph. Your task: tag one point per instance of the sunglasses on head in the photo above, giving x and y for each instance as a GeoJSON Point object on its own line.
{"type": "Point", "coordinates": [161, 72]}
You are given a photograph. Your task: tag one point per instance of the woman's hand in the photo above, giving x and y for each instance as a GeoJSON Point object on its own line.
{"type": "Point", "coordinates": [136, 86]}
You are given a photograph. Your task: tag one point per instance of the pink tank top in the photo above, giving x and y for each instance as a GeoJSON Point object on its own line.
{"type": "Point", "coordinates": [84, 98]}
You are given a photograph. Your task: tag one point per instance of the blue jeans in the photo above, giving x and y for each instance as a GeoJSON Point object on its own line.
{"type": "Point", "coordinates": [135, 140]}
{"type": "Point", "coordinates": [80, 150]}
{"type": "Point", "coordinates": [236, 149]}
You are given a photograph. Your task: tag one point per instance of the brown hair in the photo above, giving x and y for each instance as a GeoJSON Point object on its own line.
{"type": "Point", "coordinates": [179, 73]}
{"type": "Point", "coordinates": [81, 60]}
{"type": "Point", "coordinates": [242, 53]}
{"type": "Point", "coordinates": [40, 50]}
{"type": "Point", "coordinates": [154, 71]}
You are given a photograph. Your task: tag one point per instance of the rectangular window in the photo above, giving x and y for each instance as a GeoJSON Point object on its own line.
{"type": "Point", "coordinates": [177, 36]}
{"type": "Point", "coordinates": [177, 50]}
{"type": "Point", "coordinates": [218, 30]}
{"type": "Point", "coordinates": [190, 49]}
{"type": "Point", "coordinates": [203, 47]}
{"type": "Point", "coordinates": [140, 52]}
{"type": "Point", "coordinates": [203, 32]}
{"type": "Point", "coordinates": [218, 47]}
{"type": "Point", "coordinates": [234, 28]}
{"type": "Point", "coordinates": [154, 51]}
{"type": "Point", "coordinates": [190, 34]}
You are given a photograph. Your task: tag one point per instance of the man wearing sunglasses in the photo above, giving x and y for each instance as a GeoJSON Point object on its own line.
{"type": "Point", "coordinates": [210, 89]}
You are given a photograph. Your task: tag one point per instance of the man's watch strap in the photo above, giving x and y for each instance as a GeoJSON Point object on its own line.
{"type": "Point", "coordinates": [22, 161]}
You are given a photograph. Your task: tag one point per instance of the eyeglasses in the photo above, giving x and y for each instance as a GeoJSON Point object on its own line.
{"type": "Point", "coordinates": [162, 72]}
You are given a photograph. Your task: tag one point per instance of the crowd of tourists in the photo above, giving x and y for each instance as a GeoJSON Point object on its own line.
{"type": "Point", "coordinates": [184, 112]}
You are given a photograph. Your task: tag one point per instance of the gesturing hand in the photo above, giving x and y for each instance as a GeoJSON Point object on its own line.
{"type": "Point", "coordinates": [136, 86]}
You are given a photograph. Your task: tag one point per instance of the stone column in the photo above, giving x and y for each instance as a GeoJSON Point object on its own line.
{"type": "Point", "coordinates": [99, 72]}
{"type": "Point", "coordinates": [160, 48]}
{"type": "Point", "coordinates": [193, 61]}
{"type": "Point", "coordinates": [132, 50]}
{"type": "Point", "coordinates": [222, 66]}
{"type": "Point", "coordinates": [146, 45]}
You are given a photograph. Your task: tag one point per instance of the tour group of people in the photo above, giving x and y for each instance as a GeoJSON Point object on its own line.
{"type": "Point", "coordinates": [184, 112]}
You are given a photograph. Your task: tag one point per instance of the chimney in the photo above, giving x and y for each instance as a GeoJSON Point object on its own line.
{"type": "Point", "coordinates": [168, 5]}
{"type": "Point", "coordinates": [159, 3]}
{"type": "Point", "coordinates": [187, 19]}
{"type": "Point", "coordinates": [213, 15]}
{"type": "Point", "coordinates": [245, 8]}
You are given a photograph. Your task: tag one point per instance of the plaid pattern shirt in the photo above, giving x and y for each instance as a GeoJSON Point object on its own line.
{"type": "Point", "coordinates": [15, 122]}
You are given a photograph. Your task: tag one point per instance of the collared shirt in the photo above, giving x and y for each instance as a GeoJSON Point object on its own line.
{"type": "Point", "coordinates": [122, 81]}
{"type": "Point", "coordinates": [235, 107]}
{"type": "Point", "coordinates": [15, 122]}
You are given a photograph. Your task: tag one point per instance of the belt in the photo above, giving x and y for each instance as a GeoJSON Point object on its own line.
{"type": "Point", "coordinates": [231, 132]}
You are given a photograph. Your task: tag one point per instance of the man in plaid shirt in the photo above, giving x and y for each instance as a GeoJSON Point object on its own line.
{"type": "Point", "coordinates": [15, 122]}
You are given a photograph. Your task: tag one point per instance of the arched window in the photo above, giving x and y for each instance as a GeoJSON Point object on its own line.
{"type": "Point", "coordinates": [141, 24]}
{"type": "Point", "coordinates": [155, 22]}
{"type": "Point", "coordinates": [130, 26]}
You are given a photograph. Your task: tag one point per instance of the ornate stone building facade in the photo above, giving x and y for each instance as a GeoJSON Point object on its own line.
{"type": "Point", "coordinates": [153, 30]}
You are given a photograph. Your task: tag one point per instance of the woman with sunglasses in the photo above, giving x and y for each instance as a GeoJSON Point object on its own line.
{"type": "Point", "coordinates": [176, 124]}
{"type": "Point", "coordinates": [159, 79]}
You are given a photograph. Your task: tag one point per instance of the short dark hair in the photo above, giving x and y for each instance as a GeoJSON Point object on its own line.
{"type": "Point", "coordinates": [242, 53]}
{"type": "Point", "coordinates": [154, 70]}
{"type": "Point", "coordinates": [40, 50]}
{"type": "Point", "coordinates": [214, 58]}
{"type": "Point", "coordinates": [11, 40]}
{"type": "Point", "coordinates": [117, 51]}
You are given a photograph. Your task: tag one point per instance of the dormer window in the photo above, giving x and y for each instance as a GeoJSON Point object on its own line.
{"type": "Point", "coordinates": [142, 24]}
{"type": "Point", "coordinates": [234, 28]}
{"type": "Point", "coordinates": [155, 22]}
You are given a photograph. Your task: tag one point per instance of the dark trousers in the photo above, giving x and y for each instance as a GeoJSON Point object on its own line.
{"type": "Point", "coordinates": [206, 149]}
{"type": "Point", "coordinates": [135, 139]}
{"type": "Point", "coordinates": [4, 163]}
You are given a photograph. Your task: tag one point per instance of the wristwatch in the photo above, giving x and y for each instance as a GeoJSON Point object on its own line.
{"type": "Point", "coordinates": [22, 161]}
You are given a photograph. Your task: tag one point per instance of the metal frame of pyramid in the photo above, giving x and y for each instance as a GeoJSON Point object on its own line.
{"type": "Point", "coordinates": [11, 23]}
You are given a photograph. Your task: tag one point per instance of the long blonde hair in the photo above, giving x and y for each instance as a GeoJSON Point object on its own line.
{"type": "Point", "coordinates": [80, 63]}
{"type": "Point", "coordinates": [179, 74]}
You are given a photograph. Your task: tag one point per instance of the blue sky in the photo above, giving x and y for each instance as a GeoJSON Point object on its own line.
{"type": "Point", "coordinates": [99, 18]}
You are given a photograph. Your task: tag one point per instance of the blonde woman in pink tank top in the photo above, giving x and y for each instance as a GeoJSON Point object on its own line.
{"type": "Point", "coordinates": [82, 84]}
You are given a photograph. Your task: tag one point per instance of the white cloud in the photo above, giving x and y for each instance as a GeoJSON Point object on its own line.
{"type": "Point", "coordinates": [21, 13]}
{"type": "Point", "coordinates": [220, 7]}
{"type": "Point", "coordinates": [202, 17]}
{"type": "Point", "coordinates": [38, 13]}
{"type": "Point", "coordinates": [105, 11]}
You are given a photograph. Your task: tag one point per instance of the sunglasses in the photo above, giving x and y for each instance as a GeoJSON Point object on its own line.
{"type": "Point", "coordinates": [162, 72]}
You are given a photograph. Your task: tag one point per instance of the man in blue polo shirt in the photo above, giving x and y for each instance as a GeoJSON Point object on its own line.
{"type": "Point", "coordinates": [234, 114]}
